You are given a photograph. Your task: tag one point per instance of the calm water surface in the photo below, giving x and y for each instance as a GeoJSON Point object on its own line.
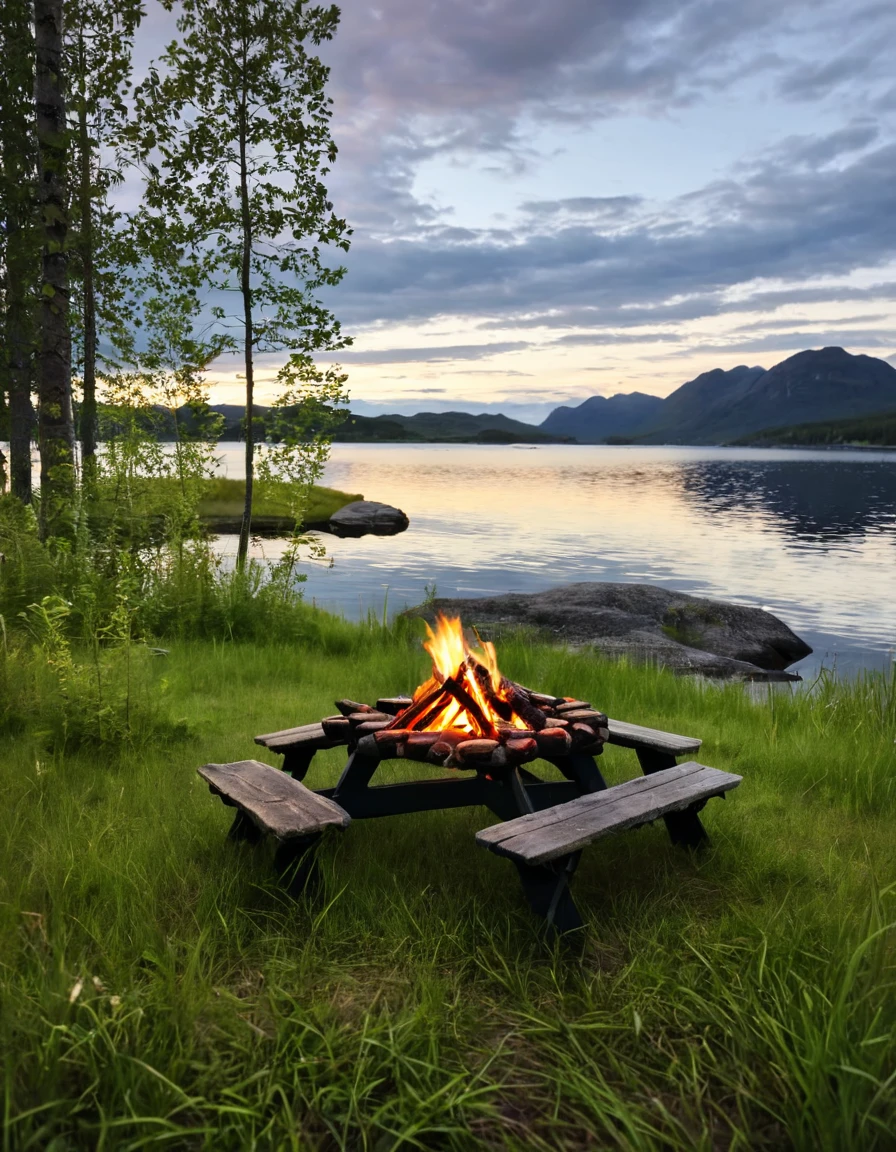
{"type": "Point", "coordinates": [809, 535]}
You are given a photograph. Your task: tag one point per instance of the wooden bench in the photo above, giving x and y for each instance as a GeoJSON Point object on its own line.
{"type": "Point", "coordinates": [268, 801]}
{"type": "Point", "coordinates": [544, 836]}
{"type": "Point", "coordinates": [546, 846]}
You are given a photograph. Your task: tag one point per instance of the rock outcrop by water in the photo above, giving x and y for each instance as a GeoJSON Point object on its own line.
{"type": "Point", "coordinates": [368, 516]}
{"type": "Point", "coordinates": [685, 633]}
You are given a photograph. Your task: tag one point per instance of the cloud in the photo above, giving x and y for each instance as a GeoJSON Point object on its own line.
{"type": "Point", "coordinates": [775, 225]}
{"type": "Point", "coordinates": [601, 207]}
{"type": "Point", "coordinates": [796, 342]}
{"type": "Point", "coordinates": [593, 339]}
{"type": "Point", "coordinates": [415, 79]}
{"type": "Point", "coordinates": [473, 83]}
{"type": "Point", "coordinates": [427, 355]}
{"type": "Point", "coordinates": [813, 80]}
{"type": "Point", "coordinates": [790, 323]}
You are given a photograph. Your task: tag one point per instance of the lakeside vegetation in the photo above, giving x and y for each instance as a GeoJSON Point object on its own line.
{"type": "Point", "coordinates": [222, 502]}
{"type": "Point", "coordinates": [878, 431]}
{"type": "Point", "coordinates": [159, 988]}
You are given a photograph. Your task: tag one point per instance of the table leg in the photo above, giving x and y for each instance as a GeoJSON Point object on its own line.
{"type": "Point", "coordinates": [581, 768]}
{"type": "Point", "coordinates": [296, 863]}
{"type": "Point", "coordinates": [547, 889]}
{"type": "Point", "coordinates": [684, 827]}
{"type": "Point", "coordinates": [297, 761]}
{"type": "Point", "coordinates": [243, 828]}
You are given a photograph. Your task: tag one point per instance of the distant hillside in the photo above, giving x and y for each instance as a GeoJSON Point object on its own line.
{"type": "Point", "coordinates": [600, 417]}
{"type": "Point", "coordinates": [451, 427]}
{"type": "Point", "coordinates": [717, 407]}
{"type": "Point", "coordinates": [817, 385]}
{"type": "Point", "coordinates": [425, 427]}
{"type": "Point", "coordinates": [683, 416]}
{"type": "Point", "coordinates": [878, 430]}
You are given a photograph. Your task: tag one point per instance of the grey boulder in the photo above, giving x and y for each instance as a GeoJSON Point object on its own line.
{"type": "Point", "coordinates": [686, 633]}
{"type": "Point", "coordinates": [364, 516]}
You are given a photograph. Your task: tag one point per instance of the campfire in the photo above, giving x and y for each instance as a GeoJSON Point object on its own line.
{"type": "Point", "coordinates": [468, 715]}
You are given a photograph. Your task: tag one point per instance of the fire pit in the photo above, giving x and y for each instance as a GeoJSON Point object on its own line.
{"type": "Point", "coordinates": [485, 730]}
{"type": "Point", "coordinates": [468, 716]}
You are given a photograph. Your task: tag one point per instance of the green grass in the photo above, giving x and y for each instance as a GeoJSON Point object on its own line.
{"type": "Point", "coordinates": [224, 499]}
{"type": "Point", "coordinates": [743, 999]}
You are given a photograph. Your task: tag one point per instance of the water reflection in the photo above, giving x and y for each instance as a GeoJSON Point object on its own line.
{"type": "Point", "coordinates": [818, 500]}
{"type": "Point", "coordinates": [808, 535]}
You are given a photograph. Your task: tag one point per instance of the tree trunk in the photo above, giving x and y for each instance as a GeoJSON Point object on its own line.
{"type": "Point", "coordinates": [246, 290]}
{"type": "Point", "coordinates": [56, 435]}
{"type": "Point", "coordinates": [20, 262]}
{"type": "Point", "coordinates": [88, 405]}
{"type": "Point", "coordinates": [89, 401]}
{"type": "Point", "coordinates": [21, 410]}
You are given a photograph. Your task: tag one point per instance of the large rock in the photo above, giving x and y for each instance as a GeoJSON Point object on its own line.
{"type": "Point", "coordinates": [363, 516]}
{"type": "Point", "coordinates": [685, 633]}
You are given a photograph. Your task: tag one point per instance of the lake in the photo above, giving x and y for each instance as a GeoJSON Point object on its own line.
{"type": "Point", "coordinates": [809, 535]}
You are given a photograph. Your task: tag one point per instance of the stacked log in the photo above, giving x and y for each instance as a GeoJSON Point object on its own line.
{"type": "Point", "coordinates": [398, 727]}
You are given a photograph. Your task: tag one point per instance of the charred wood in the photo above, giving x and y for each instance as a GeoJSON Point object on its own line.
{"type": "Point", "coordinates": [347, 707]}
{"type": "Point", "coordinates": [526, 710]}
{"type": "Point", "coordinates": [393, 704]}
{"type": "Point", "coordinates": [463, 697]}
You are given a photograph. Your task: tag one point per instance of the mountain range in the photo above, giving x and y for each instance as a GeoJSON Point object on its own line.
{"type": "Point", "coordinates": [809, 388]}
{"type": "Point", "coordinates": [484, 428]}
{"type": "Point", "coordinates": [719, 406]}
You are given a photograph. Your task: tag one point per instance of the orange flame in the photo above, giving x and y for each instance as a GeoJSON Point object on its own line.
{"type": "Point", "coordinates": [475, 670]}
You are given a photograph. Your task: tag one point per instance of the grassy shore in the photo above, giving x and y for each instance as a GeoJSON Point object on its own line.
{"type": "Point", "coordinates": [222, 504]}
{"type": "Point", "coordinates": [157, 989]}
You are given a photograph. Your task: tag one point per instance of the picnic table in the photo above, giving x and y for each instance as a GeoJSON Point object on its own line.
{"type": "Point", "coordinates": [545, 824]}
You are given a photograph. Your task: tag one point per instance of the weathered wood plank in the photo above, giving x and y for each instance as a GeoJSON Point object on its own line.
{"type": "Point", "coordinates": [635, 736]}
{"type": "Point", "coordinates": [559, 812]}
{"type": "Point", "coordinates": [565, 828]}
{"type": "Point", "coordinates": [313, 736]}
{"type": "Point", "coordinates": [302, 728]}
{"type": "Point", "coordinates": [273, 800]}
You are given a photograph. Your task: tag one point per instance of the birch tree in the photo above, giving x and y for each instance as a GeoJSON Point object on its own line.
{"type": "Point", "coordinates": [236, 139]}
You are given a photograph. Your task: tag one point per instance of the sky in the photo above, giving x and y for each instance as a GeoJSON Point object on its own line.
{"type": "Point", "coordinates": [554, 199]}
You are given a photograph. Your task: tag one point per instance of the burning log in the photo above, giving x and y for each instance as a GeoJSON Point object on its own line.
{"type": "Point", "coordinates": [542, 698]}
{"type": "Point", "coordinates": [336, 727]}
{"type": "Point", "coordinates": [460, 719]}
{"type": "Point", "coordinates": [553, 742]}
{"type": "Point", "coordinates": [584, 714]}
{"type": "Point", "coordinates": [393, 704]}
{"type": "Point", "coordinates": [409, 716]}
{"type": "Point", "coordinates": [389, 739]}
{"type": "Point", "coordinates": [525, 709]}
{"type": "Point", "coordinates": [347, 707]}
{"type": "Point", "coordinates": [369, 727]}
{"type": "Point", "coordinates": [466, 701]}
{"type": "Point", "coordinates": [357, 718]}
{"type": "Point", "coordinates": [521, 750]}
{"type": "Point", "coordinates": [483, 677]}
